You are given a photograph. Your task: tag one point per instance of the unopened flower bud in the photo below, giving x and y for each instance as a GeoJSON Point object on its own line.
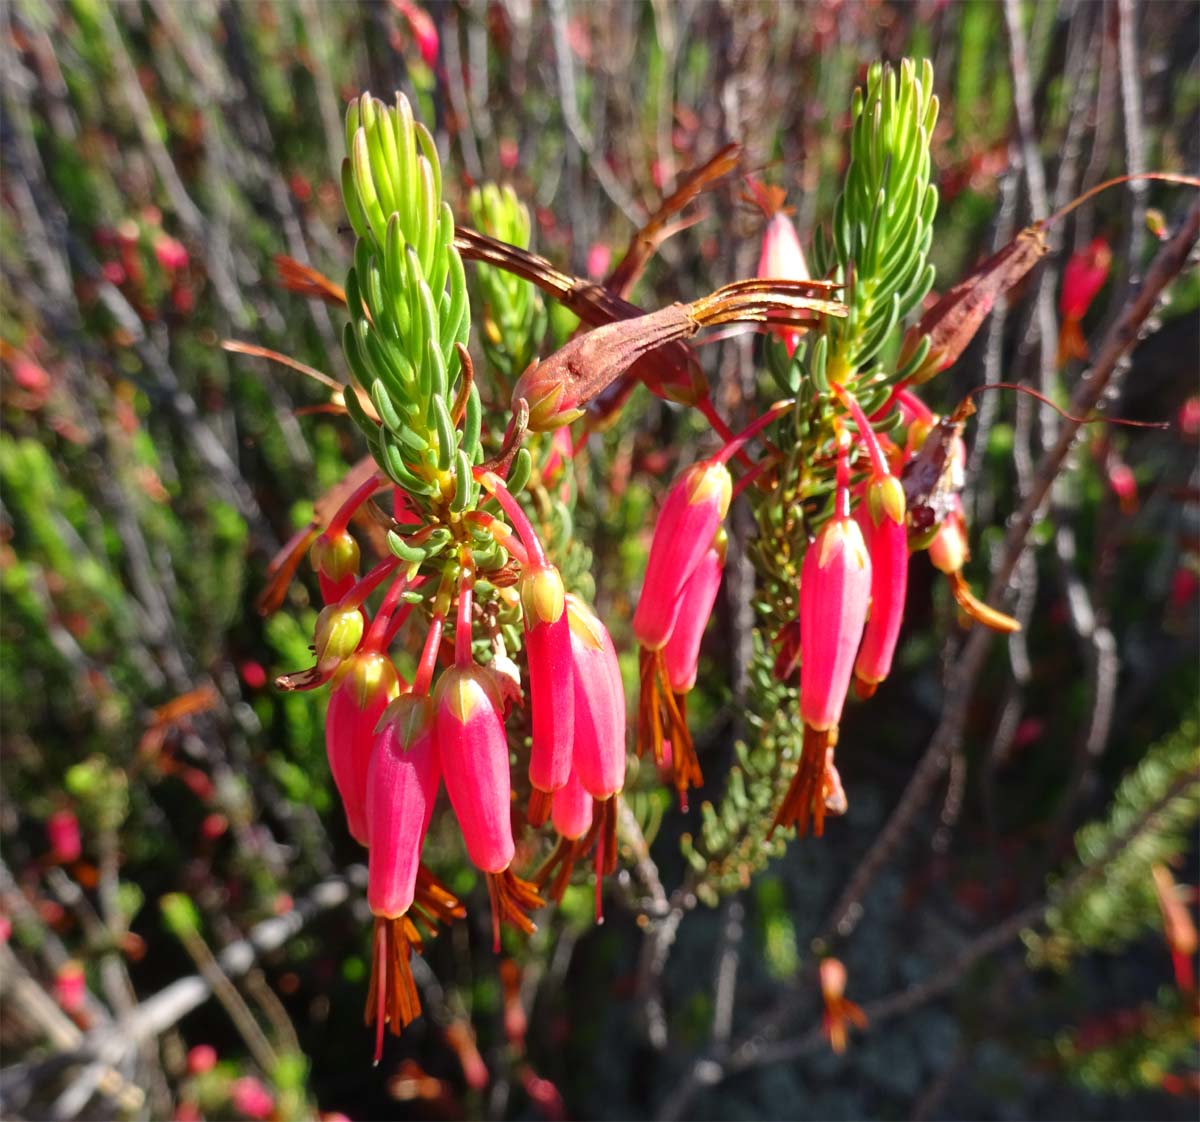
{"type": "Point", "coordinates": [337, 634]}
{"type": "Point", "coordinates": [335, 559]}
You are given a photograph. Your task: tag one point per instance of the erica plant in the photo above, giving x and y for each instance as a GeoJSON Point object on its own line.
{"type": "Point", "coordinates": [517, 702]}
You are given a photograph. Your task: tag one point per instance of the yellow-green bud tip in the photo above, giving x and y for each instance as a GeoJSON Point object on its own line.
{"type": "Point", "coordinates": [542, 596]}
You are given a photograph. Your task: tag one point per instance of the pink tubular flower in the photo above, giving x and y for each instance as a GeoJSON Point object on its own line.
{"type": "Point", "coordinates": [402, 784]}
{"type": "Point", "coordinates": [835, 589]}
{"type": "Point", "coordinates": [694, 509]}
{"type": "Point", "coordinates": [62, 831]}
{"type": "Point", "coordinates": [474, 749]}
{"type": "Point", "coordinates": [882, 521]}
{"type": "Point", "coordinates": [366, 685]}
{"type": "Point", "coordinates": [470, 736]}
{"type": "Point", "coordinates": [599, 757]}
{"type": "Point", "coordinates": [572, 809]}
{"type": "Point", "coordinates": [682, 652]}
{"type": "Point", "coordinates": [551, 684]}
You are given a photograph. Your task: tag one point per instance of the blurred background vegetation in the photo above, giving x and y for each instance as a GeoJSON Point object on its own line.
{"type": "Point", "coordinates": [1006, 940]}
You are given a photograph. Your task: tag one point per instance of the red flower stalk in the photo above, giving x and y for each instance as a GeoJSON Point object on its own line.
{"type": "Point", "coordinates": [474, 749]}
{"type": "Point", "coordinates": [599, 756]}
{"type": "Point", "coordinates": [682, 652]}
{"type": "Point", "coordinates": [1083, 277]}
{"type": "Point", "coordinates": [548, 654]}
{"type": "Point", "coordinates": [839, 1011]}
{"type": "Point", "coordinates": [835, 588]}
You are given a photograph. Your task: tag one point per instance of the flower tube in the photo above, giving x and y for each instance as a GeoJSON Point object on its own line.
{"type": "Point", "coordinates": [835, 588]}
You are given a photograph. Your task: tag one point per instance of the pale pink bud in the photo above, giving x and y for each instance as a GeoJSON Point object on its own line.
{"type": "Point", "coordinates": [62, 830]}
{"type": "Point", "coordinates": [551, 680]}
{"type": "Point", "coordinates": [474, 750]}
{"type": "Point", "coordinates": [835, 590]}
{"type": "Point", "coordinates": [881, 517]}
{"type": "Point", "coordinates": [695, 507]}
{"type": "Point", "coordinates": [249, 1097]}
{"type": "Point", "coordinates": [402, 784]}
{"type": "Point", "coordinates": [571, 810]}
{"type": "Point", "coordinates": [599, 757]}
{"type": "Point", "coordinates": [682, 652]}
{"type": "Point", "coordinates": [366, 685]}
{"type": "Point", "coordinates": [783, 259]}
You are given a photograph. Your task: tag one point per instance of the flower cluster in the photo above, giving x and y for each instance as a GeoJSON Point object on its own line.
{"type": "Point", "coordinates": [854, 473]}
{"type": "Point", "coordinates": [476, 583]}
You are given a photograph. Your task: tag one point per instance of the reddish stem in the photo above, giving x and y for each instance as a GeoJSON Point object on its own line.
{"type": "Point", "coordinates": [360, 590]}
{"type": "Point", "coordinates": [463, 629]}
{"type": "Point", "coordinates": [867, 434]}
{"type": "Point", "coordinates": [752, 475]}
{"type": "Point", "coordinates": [339, 522]}
{"type": "Point", "coordinates": [914, 405]}
{"type": "Point", "coordinates": [734, 443]}
{"type": "Point", "coordinates": [843, 476]}
{"type": "Point", "coordinates": [495, 486]}
{"type": "Point", "coordinates": [380, 624]}
{"type": "Point", "coordinates": [429, 653]}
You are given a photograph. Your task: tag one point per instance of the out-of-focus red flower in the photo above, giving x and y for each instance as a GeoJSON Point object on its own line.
{"type": "Point", "coordinates": [253, 674]}
{"type": "Point", "coordinates": [249, 1097]}
{"type": "Point", "coordinates": [1189, 417]}
{"type": "Point", "coordinates": [70, 986]}
{"type": "Point", "coordinates": [422, 28]}
{"type": "Point", "coordinates": [1124, 485]}
{"type": "Point", "coordinates": [1083, 277]}
{"type": "Point", "coordinates": [201, 1058]}
{"type": "Point", "coordinates": [62, 831]}
{"type": "Point", "coordinates": [598, 259]}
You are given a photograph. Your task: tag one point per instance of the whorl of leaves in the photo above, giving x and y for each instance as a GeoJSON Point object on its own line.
{"type": "Point", "coordinates": [408, 303]}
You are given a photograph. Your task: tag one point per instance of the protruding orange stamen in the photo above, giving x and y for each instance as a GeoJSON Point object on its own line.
{"type": "Point", "coordinates": [512, 899]}
{"type": "Point", "coordinates": [805, 798]}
